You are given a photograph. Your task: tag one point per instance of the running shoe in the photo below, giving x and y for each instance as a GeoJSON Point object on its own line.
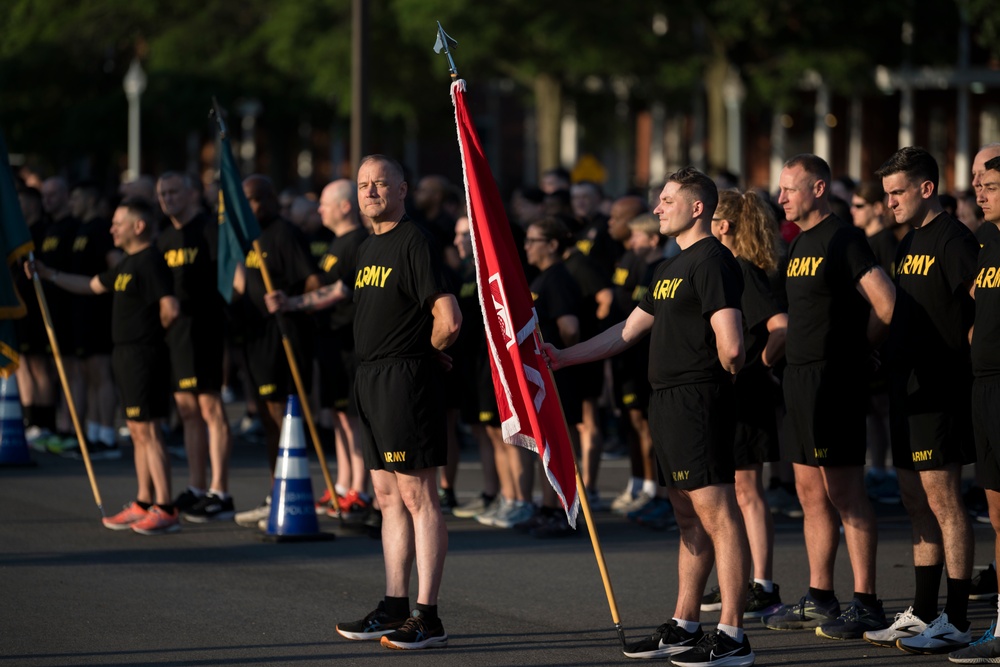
{"type": "Point", "coordinates": [250, 518]}
{"type": "Point", "coordinates": [622, 500]}
{"type": "Point", "coordinates": [658, 514]}
{"type": "Point", "coordinates": [513, 513]}
{"type": "Point", "coordinates": [668, 639]}
{"type": "Point", "coordinates": [983, 651]}
{"type": "Point", "coordinates": [856, 620]}
{"type": "Point", "coordinates": [716, 649]}
{"type": "Point", "coordinates": [98, 451]}
{"type": "Point", "coordinates": [984, 584]}
{"type": "Point", "coordinates": [640, 501]}
{"type": "Point", "coordinates": [353, 500]}
{"type": "Point", "coordinates": [372, 626]}
{"type": "Point", "coordinates": [124, 519]}
{"type": "Point", "coordinates": [325, 501]}
{"type": "Point", "coordinates": [941, 636]}
{"type": "Point", "coordinates": [473, 508]}
{"type": "Point", "coordinates": [158, 522]}
{"type": "Point", "coordinates": [807, 613]}
{"type": "Point", "coordinates": [712, 600]}
{"type": "Point", "coordinates": [760, 603]}
{"type": "Point", "coordinates": [210, 508]}
{"type": "Point", "coordinates": [906, 624]}
{"type": "Point", "coordinates": [186, 500]}
{"type": "Point", "coordinates": [447, 499]}
{"type": "Point", "coordinates": [417, 631]}
{"type": "Point", "coordinates": [489, 515]}
{"type": "Point", "coordinates": [555, 525]}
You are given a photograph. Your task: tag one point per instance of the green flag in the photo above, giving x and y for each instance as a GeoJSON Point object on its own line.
{"type": "Point", "coordinates": [237, 224]}
{"type": "Point", "coordinates": [15, 242]}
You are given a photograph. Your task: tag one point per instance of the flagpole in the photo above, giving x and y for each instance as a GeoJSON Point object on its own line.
{"type": "Point", "coordinates": [47, 318]}
{"type": "Point", "coordinates": [581, 493]}
{"type": "Point", "coordinates": [299, 387]}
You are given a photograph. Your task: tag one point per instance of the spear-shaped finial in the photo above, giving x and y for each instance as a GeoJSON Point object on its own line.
{"type": "Point", "coordinates": [216, 112]}
{"type": "Point", "coordinates": [445, 42]}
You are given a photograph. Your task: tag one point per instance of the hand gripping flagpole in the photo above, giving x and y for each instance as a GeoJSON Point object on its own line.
{"type": "Point", "coordinates": [444, 42]}
{"type": "Point", "coordinates": [43, 304]}
{"type": "Point", "coordinates": [290, 355]}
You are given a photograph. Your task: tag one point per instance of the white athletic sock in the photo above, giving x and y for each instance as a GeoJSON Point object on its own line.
{"type": "Point", "coordinates": [688, 626]}
{"type": "Point", "coordinates": [766, 583]}
{"type": "Point", "coordinates": [732, 631]}
{"type": "Point", "coordinates": [221, 495]}
{"type": "Point", "coordinates": [93, 431]}
{"type": "Point", "coordinates": [107, 435]}
{"type": "Point", "coordinates": [649, 487]}
{"type": "Point", "coordinates": [341, 491]}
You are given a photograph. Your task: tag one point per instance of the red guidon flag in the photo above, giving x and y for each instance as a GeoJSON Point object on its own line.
{"type": "Point", "coordinates": [529, 405]}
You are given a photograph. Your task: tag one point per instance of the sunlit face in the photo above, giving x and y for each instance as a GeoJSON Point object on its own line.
{"type": "Point", "coordinates": [988, 195]}
{"type": "Point", "coordinates": [979, 164]}
{"type": "Point", "coordinates": [861, 211]}
{"type": "Point", "coordinates": [329, 207]}
{"type": "Point", "coordinates": [675, 210]}
{"type": "Point", "coordinates": [381, 192]}
{"type": "Point", "coordinates": [906, 197]}
{"type": "Point", "coordinates": [174, 196]}
{"type": "Point", "coordinates": [798, 192]}
{"type": "Point", "coordinates": [124, 228]}
{"type": "Point", "coordinates": [463, 238]}
{"type": "Point", "coordinates": [641, 242]}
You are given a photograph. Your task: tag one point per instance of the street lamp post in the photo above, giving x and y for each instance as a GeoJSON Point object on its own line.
{"type": "Point", "coordinates": [134, 84]}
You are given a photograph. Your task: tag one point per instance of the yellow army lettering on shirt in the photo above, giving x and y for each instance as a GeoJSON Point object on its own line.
{"type": "Point", "coordinates": [372, 276]}
{"type": "Point", "coordinates": [585, 245]}
{"type": "Point", "coordinates": [133, 411]}
{"type": "Point", "coordinates": [988, 278]}
{"type": "Point", "coordinates": [803, 266]}
{"type": "Point", "coordinates": [50, 244]}
{"type": "Point", "coordinates": [639, 293]}
{"type": "Point", "coordinates": [121, 281]}
{"type": "Point", "coordinates": [395, 457]}
{"type": "Point", "coordinates": [923, 455]}
{"type": "Point", "coordinates": [620, 276]}
{"type": "Point", "coordinates": [915, 265]}
{"type": "Point", "coordinates": [534, 296]}
{"type": "Point", "coordinates": [180, 257]}
{"type": "Point", "coordinates": [317, 248]}
{"type": "Point", "coordinates": [467, 290]}
{"type": "Point", "coordinates": [79, 244]}
{"type": "Point", "coordinates": [328, 262]}
{"type": "Point", "coordinates": [666, 288]}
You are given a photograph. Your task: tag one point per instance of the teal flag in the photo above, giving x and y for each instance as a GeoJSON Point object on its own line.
{"type": "Point", "coordinates": [15, 243]}
{"type": "Point", "coordinates": [237, 224]}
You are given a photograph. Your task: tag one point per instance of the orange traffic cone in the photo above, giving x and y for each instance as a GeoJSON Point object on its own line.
{"type": "Point", "coordinates": [293, 510]}
{"type": "Point", "coordinates": [13, 445]}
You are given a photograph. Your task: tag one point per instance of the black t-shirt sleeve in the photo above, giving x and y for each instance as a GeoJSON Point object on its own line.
{"type": "Point", "coordinates": [107, 277]}
{"type": "Point", "coordinates": [758, 303]}
{"type": "Point", "coordinates": [961, 261]}
{"type": "Point", "coordinates": [858, 256]}
{"type": "Point", "coordinates": [718, 283]}
{"type": "Point", "coordinates": [427, 275]}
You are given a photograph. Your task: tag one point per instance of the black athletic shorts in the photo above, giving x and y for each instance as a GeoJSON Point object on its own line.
{"type": "Point", "coordinates": [825, 424]}
{"type": "Point", "coordinates": [92, 335]}
{"type": "Point", "coordinates": [402, 414]}
{"type": "Point", "coordinates": [693, 427]}
{"type": "Point", "coordinates": [986, 424]}
{"type": "Point", "coordinates": [195, 355]}
{"type": "Point", "coordinates": [757, 400]}
{"type": "Point", "coordinates": [338, 364]}
{"type": "Point", "coordinates": [142, 375]}
{"type": "Point", "coordinates": [590, 379]}
{"type": "Point", "coordinates": [478, 400]}
{"type": "Point", "coordinates": [268, 363]}
{"type": "Point", "coordinates": [570, 397]}
{"type": "Point", "coordinates": [931, 421]}
{"type": "Point", "coordinates": [630, 374]}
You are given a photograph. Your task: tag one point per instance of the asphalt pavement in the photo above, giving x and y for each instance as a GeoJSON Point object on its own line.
{"type": "Point", "coordinates": [75, 593]}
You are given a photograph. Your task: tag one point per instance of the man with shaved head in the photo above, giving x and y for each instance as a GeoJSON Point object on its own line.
{"type": "Point", "coordinates": [292, 270]}
{"type": "Point", "coordinates": [338, 208]}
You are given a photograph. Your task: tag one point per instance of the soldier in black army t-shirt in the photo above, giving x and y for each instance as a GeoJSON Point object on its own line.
{"type": "Point", "coordinates": [930, 390]}
{"type": "Point", "coordinates": [143, 307]}
{"type": "Point", "coordinates": [189, 244]}
{"type": "Point", "coordinates": [692, 313]}
{"type": "Point", "coordinates": [404, 319]}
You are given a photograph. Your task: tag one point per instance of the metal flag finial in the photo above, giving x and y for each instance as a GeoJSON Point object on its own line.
{"type": "Point", "coordinates": [216, 112]}
{"type": "Point", "coordinates": [446, 42]}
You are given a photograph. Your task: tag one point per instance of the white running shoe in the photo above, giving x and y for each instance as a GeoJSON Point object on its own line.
{"type": "Point", "coordinates": [938, 637]}
{"type": "Point", "coordinates": [907, 624]}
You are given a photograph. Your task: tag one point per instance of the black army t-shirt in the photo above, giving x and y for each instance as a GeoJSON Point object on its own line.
{"type": "Point", "coordinates": [288, 264]}
{"type": "Point", "coordinates": [759, 306]}
{"type": "Point", "coordinates": [591, 281]}
{"type": "Point", "coordinates": [933, 312]}
{"type": "Point", "coordinates": [686, 290]}
{"type": "Point", "coordinates": [827, 316]}
{"type": "Point", "coordinates": [555, 294]}
{"type": "Point", "coordinates": [397, 273]}
{"type": "Point", "coordinates": [986, 335]}
{"type": "Point", "coordinates": [191, 254]}
{"type": "Point", "coordinates": [138, 283]}
{"type": "Point", "coordinates": [340, 263]}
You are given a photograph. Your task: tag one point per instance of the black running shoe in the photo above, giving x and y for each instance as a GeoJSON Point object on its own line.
{"type": "Point", "coordinates": [984, 584]}
{"type": "Point", "coordinates": [210, 508]}
{"type": "Point", "coordinates": [760, 603]}
{"type": "Point", "coordinates": [716, 649]}
{"type": "Point", "coordinates": [417, 631]}
{"type": "Point", "coordinates": [712, 600]}
{"type": "Point", "coordinates": [186, 500]}
{"type": "Point", "coordinates": [372, 626]}
{"type": "Point", "coordinates": [668, 639]}
{"type": "Point", "coordinates": [856, 620]}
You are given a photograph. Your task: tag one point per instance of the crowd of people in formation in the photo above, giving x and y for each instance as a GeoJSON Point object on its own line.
{"type": "Point", "coordinates": [700, 330]}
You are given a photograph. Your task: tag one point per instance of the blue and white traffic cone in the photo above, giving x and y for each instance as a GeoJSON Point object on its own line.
{"type": "Point", "coordinates": [293, 510]}
{"type": "Point", "coordinates": [13, 445]}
